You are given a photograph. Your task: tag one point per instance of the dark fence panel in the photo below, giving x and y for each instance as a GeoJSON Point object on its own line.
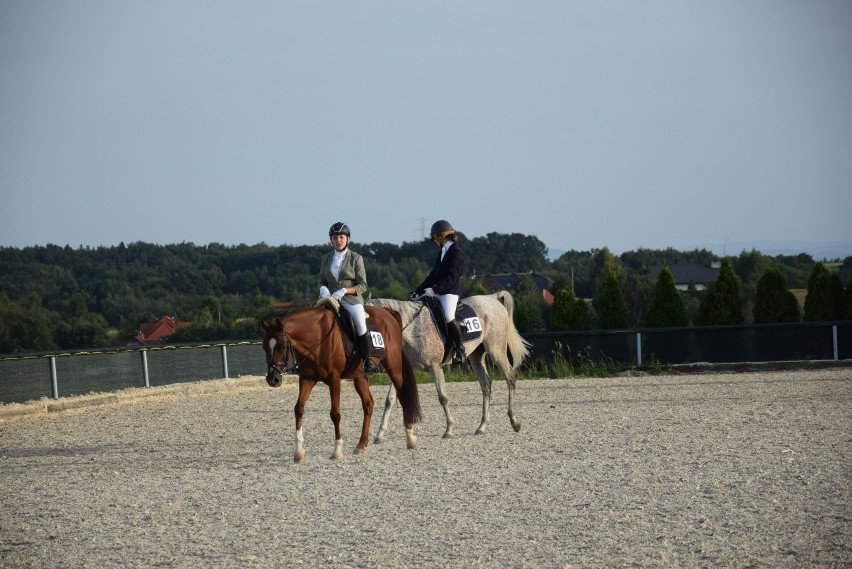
{"type": "Point", "coordinates": [716, 344]}
{"type": "Point", "coordinates": [246, 359]}
{"type": "Point", "coordinates": [24, 379]}
{"type": "Point", "coordinates": [28, 377]}
{"type": "Point", "coordinates": [108, 371]}
{"type": "Point", "coordinates": [729, 344]}
{"type": "Point", "coordinates": [182, 365]}
{"type": "Point", "coordinates": [844, 340]}
{"type": "Point", "coordinates": [579, 347]}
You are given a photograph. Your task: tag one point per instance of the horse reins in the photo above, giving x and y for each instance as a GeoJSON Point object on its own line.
{"type": "Point", "coordinates": [416, 314]}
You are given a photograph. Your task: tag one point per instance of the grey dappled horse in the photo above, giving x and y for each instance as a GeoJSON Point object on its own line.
{"type": "Point", "coordinates": [424, 347]}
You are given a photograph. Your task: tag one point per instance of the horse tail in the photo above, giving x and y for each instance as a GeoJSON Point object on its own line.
{"type": "Point", "coordinates": [409, 396]}
{"type": "Point", "coordinates": [519, 348]}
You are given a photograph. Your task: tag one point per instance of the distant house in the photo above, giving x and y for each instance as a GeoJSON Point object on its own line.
{"type": "Point", "coordinates": [701, 275]}
{"type": "Point", "coordinates": [152, 333]}
{"type": "Point", "coordinates": [510, 282]}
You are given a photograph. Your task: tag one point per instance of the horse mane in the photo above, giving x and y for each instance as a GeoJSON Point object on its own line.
{"type": "Point", "coordinates": [405, 308]}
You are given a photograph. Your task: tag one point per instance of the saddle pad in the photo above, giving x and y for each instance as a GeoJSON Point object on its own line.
{"type": "Point", "coordinates": [377, 341]}
{"type": "Point", "coordinates": [470, 324]}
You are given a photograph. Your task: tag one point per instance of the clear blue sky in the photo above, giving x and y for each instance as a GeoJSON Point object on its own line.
{"type": "Point", "coordinates": [587, 124]}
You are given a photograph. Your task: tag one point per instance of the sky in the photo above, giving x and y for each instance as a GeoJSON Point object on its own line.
{"type": "Point", "coordinates": [723, 125]}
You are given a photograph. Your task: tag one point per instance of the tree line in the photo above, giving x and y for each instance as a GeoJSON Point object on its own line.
{"type": "Point", "coordinates": [54, 297]}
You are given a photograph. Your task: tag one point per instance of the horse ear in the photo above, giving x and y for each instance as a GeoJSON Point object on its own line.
{"type": "Point", "coordinates": [264, 324]}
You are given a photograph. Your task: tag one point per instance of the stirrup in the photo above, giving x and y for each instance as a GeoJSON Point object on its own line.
{"type": "Point", "coordinates": [369, 368]}
{"type": "Point", "coordinates": [459, 357]}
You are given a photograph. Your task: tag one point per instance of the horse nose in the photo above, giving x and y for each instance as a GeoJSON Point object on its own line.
{"type": "Point", "coordinates": [273, 379]}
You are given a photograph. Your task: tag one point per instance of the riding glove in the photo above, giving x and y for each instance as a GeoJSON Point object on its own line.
{"type": "Point", "coordinates": [324, 292]}
{"type": "Point", "coordinates": [338, 294]}
{"type": "Point", "coordinates": [429, 292]}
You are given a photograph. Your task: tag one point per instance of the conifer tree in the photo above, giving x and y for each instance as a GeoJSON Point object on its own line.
{"type": "Point", "coordinates": [667, 308]}
{"type": "Point", "coordinates": [610, 306]}
{"type": "Point", "coordinates": [847, 301]}
{"type": "Point", "coordinates": [580, 317]}
{"type": "Point", "coordinates": [563, 306]}
{"type": "Point", "coordinates": [773, 301]}
{"type": "Point", "coordinates": [819, 304]}
{"type": "Point", "coordinates": [722, 304]}
{"type": "Point", "coordinates": [838, 303]}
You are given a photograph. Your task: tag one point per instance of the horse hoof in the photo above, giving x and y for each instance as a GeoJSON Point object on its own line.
{"type": "Point", "coordinates": [378, 440]}
{"type": "Point", "coordinates": [516, 426]}
{"type": "Point", "coordinates": [480, 431]}
{"type": "Point", "coordinates": [298, 457]}
{"type": "Point", "coordinates": [336, 456]}
{"type": "Point", "coordinates": [449, 435]}
{"type": "Point", "coordinates": [359, 450]}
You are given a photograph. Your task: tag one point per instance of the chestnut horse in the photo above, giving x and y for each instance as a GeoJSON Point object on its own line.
{"type": "Point", "coordinates": [310, 343]}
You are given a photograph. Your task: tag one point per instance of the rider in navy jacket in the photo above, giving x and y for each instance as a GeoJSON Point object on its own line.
{"type": "Point", "coordinates": [444, 280]}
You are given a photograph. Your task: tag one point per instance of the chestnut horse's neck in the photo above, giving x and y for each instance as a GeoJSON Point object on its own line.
{"type": "Point", "coordinates": [309, 329]}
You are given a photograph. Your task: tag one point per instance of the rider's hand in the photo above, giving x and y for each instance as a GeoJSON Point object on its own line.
{"type": "Point", "coordinates": [324, 292]}
{"type": "Point", "coordinates": [338, 294]}
{"type": "Point", "coordinates": [414, 295]}
{"type": "Point", "coordinates": [429, 292]}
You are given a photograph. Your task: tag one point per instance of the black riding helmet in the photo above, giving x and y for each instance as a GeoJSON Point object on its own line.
{"type": "Point", "coordinates": [339, 228]}
{"type": "Point", "coordinates": [440, 226]}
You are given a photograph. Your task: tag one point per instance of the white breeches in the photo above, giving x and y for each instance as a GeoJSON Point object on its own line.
{"type": "Point", "coordinates": [448, 305]}
{"type": "Point", "coordinates": [359, 317]}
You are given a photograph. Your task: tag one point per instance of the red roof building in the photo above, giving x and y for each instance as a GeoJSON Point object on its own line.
{"type": "Point", "coordinates": [151, 333]}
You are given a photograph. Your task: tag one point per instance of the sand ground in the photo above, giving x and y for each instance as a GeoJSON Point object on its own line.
{"type": "Point", "coordinates": [687, 470]}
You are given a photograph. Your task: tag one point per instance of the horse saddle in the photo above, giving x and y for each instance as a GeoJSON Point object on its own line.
{"type": "Point", "coordinates": [347, 325]}
{"type": "Point", "coordinates": [466, 316]}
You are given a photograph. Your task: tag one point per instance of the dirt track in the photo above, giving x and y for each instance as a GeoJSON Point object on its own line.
{"type": "Point", "coordinates": [703, 470]}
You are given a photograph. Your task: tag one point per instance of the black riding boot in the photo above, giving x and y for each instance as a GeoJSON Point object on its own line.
{"type": "Point", "coordinates": [456, 336]}
{"type": "Point", "coordinates": [364, 348]}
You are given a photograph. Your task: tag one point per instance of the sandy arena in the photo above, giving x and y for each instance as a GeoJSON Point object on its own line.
{"type": "Point", "coordinates": [695, 470]}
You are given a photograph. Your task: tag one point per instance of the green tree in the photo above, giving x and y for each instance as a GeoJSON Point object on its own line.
{"type": "Point", "coordinates": [521, 317]}
{"type": "Point", "coordinates": [847, 304]}
{"type": "Point", "coordinates": [26, 326]}
{"type": "Point", "coordinates": [667, 308]}
{"type": "Point", "coordinates": [773, 301]}
{"type": "Point", "coordinates": [722, 303]}
{"type": "Point", "coordinates": [581, 319]}
{"type": "Point", "coordinates": [820, 302]}
{"type": "Point", "coordinates": [610, 306]}
{"type": "Point", "coordinates": [562, 309]}
{"type": "Point", "coordinates": [749, 266]}
{"type": "Point", "coordinates": [604, 264]}
{"type": "Point", "coordinates": [638, 290]}
{"type": "Point", "coordinates": [835, 285]}
{"type": "Point", "coordinates": [89, 330]}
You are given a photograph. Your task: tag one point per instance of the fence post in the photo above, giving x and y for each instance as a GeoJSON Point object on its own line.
{"type": "Point", "coordinates": [145, 367]}
{"type": "Point", "coordinates": [834, 341]}
{"type": "Point", "coordinates": [225, 360]}
{"type": "Point", "coordinates": [638, 348]}
{"type": "Point", "coordinates": [54, 384]}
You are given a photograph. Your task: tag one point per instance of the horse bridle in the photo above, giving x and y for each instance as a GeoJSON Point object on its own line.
{"type": "Point", "coordinates": [282, 367]}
